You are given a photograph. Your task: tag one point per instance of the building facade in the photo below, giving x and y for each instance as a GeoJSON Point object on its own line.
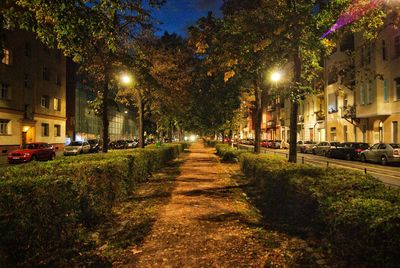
{"type": "Point", "coordinates": [32, 93]}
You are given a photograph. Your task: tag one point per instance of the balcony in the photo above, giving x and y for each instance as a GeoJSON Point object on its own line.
{"type": "Point", "coordinates": [349, 112]}
{"type": "Point", "coordinates": [320, 115]}
{"type": "Point", "coordinates": [300, 119]}
{"type": "Point", "coordinates": [271, 124]}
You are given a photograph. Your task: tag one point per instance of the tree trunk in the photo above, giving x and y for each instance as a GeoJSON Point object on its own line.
{"type": "Point", "coordinates": [230, 137]}
{"type": "Point", "coordinates": [140, 106]}
{"type": "Point", "coordinates": [223, 136]}
{"type": "Point", "coordinates": [294, 111]}
{"type": "Point", "coordinates": [171, 129]}
{"type": "Point", "coordinates": [257, 125]}
{"type": "Point", "coordinates": [104, 108]}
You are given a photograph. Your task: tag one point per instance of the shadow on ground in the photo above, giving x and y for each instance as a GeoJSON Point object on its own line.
{"type": "Point", "coordinates": [113, 240]}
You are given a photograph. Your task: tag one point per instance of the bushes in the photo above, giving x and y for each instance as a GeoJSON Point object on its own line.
{"type": "Point", "coordinates": [358, 214]}
{"type": "Point", "coordinates": [46, 206]}
{"type": "Point", "coordinates": [227, 153]}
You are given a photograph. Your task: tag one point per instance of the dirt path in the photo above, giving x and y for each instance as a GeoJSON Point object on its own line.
{"type": "Point", "coordinates": [203, 225]}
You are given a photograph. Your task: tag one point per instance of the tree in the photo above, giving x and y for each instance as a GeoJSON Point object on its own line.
{"type": "Point", "coordinates": [93, 33]}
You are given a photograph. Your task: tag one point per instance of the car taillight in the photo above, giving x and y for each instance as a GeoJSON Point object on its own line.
{"type": "Point", "coordinates": [358, 150]}
{"type": "Point", "coordinates": [396, 153]}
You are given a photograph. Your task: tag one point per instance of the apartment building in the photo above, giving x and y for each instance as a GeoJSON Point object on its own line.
{"type": "Point", "coordinates": [32, 93]}
{"type": "Point", "coordinates": [363, 89]}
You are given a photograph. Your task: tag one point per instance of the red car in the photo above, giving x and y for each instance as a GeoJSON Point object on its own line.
{"type": "Point", "coordinates": [32, 152]}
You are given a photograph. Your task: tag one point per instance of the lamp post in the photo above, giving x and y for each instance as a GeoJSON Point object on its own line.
{"type": "Point", "coordinates": [127, 80]}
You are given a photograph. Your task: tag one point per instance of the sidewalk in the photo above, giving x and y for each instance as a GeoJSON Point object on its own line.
{"type": "Point", "coordinates": [204, 224]}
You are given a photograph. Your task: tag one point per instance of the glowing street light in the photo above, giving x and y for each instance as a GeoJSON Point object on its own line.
{"type": "Point", "coordinates": [276, 76]}
{"type": "Point", "coordinates": [126, 79]}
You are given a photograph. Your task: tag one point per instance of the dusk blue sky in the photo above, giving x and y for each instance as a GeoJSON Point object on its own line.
{"type": "Point", "coordinates": [177, 15]}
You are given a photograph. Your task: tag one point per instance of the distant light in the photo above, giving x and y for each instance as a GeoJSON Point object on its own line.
{"type": "Point", "coordinates": [186, 138]}
{"type": "Point", "coordinates": [192, 138]}
{"type": "Point", "coordinates": [126, 79]}
{"type": "Point", "coordinates": [126, 112]}
{"type": "Point", "coordinates": [276, 76]}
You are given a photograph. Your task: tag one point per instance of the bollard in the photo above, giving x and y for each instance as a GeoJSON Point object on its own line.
{"type": "Point", "coordinates": [327, 164]}
{"type": "Point", "coordinates": [302, 159]}
{"type": "Point", "coordinates": [365, 170]}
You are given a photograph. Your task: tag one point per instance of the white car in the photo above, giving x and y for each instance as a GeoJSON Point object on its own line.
{"type": "Point", "coordinates": [77, 147]}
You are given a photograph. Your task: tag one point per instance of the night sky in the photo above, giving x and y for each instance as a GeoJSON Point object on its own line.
{"type": "Point", "coordinates": [177, 15]}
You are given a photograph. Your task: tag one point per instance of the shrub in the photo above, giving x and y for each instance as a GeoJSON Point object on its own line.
{"type": "Point", "coordinates": [46, 206]}
{"type": "Point", "coordinates": [358, 214]}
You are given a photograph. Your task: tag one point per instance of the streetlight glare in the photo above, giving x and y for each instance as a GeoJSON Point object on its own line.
{"type": "Point", "coordinates": [126, 79]}
{"type": "Point", "coordinates": [276, 76]}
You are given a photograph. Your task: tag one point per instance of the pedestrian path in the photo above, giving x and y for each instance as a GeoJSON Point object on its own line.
{"type": "Point", "coordinates": [203, 225]}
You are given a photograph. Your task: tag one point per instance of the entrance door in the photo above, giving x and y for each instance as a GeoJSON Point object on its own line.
{"type": "Point", "coordinates": [23, 142]}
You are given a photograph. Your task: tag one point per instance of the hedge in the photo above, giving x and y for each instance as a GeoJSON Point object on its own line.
{"type": "Point", "coordinates": [356, 213]}
{"type": "Point", "coordinates": [46, 206]}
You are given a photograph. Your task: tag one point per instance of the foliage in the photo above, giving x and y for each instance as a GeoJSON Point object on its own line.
{"type": "Point", "coordinates": [358, 214]}
{"type": "Point", "coordinates": [47, 207]}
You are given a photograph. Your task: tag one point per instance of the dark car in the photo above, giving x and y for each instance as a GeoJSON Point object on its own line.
{"type": "Point", "coordinates": [348, 150]}
{"type": "Point", "coordinates": [276, 144]}
{"type": "Point", "coordinates": [32, 152]}
{"type": "Point", "coordinates": [119, 144]}
{"type": "Point", "coordinates": [95, 145]}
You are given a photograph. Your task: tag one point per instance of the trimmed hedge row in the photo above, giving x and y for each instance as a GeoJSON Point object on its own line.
{"type": "Point", "coordinates": [357, 213]}
{"type": "Point", "coordinates": [46, 206]}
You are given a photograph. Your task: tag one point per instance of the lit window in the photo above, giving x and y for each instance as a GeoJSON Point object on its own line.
{"type": "Point", "coordinates": [4, 92]}
{"type": "Point", "coordinates": [57, 130]}
{"type": "Point", "coordinates": [332, 103]}
{"type": "Point", "coordinates": [44, 101]}
{"type": "Point", "coordinates": [6, 56]}
{"type": "Point", "coordinates": [57, 104]}
{"type": "Point", "coordinates": [4, 126]}
{"type": "Point", "coordinates": [45, 130]}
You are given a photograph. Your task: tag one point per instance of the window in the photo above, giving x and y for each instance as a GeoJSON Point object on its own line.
{"type": "Point", "coordinates": [4, 126]}
{"type": "Point", "coordinates": [46, 74]}
{"type": "Point", "coordinates": [333, 134]}
{"type": "Point", "coordinates": [4, 92]}
{"type": "Point", "coordinates": [397, 85]}
{"type": "Point", "coordinates": [384, 54]}
{"type": "Point", "coordinates": [397, 46]}
{"type": "Point", "coordinates": [45, 130]}
{"type": "Point", "coordinates": [370, 93]}
{"type": "Point", "coordinates": [347, 43]}
{"type": "Point", "coordinates": [395, 132]}
{"type": "Point", "coordinates": [57, 104]}
{"type": "Point", "coordinates": [28, 50]}
{"type": "Point", "coordinates": [385, 91]}
{"type": "Point", "coordinates": [345, 133]}
{"type": "Point", "coordinates": [57, 130]}
{"type": "Point", "coordinates": [6, 56]}
{"type": "Point", "coordinates": [58, 79]}
{"type": "Point", "coordinates": [332, 103]}
{"type": "Point", "coordinates": [355, 133]}
{"type": "Point", "coordinates": [44, 101]}
{"type": "Point", "coordinates": [368, 56]}
{"type": "Point", "coordinates": [26, 80]}
{"type": "Point", "coordinates": [362, 94]}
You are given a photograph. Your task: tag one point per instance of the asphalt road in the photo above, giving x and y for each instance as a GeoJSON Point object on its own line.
{"type": "Point", "coordinates": [389, 175]}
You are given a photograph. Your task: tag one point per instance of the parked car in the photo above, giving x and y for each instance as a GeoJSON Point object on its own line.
{"type": "Point", "coordinates": [149, 141]}
{"type": "Point", "coordinates": [347, 150]}
{"type": "Point", "coordinates": [132, 143]}
{"type": "Point", "coordinates": [77, 147]}
{"type": "Point", "coordinates": [96, 145]}
{"type": "Point", "coordinates": [383, 153]}
{"type": "Point", "coordinates": [322, 148]}
{"type": "Point", "coordinates": [276, 144]}
{"type": "Point", "coordinates": [32, 152]}
{"type": "Point", "coordinates": [264, 143]}
{"type": "Point", "coordinates": [118, 144]}
{"type": "Point", "coordinates": [305, 146]}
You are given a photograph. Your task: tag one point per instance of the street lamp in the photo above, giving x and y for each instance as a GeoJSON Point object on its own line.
{"type": "Point", "coordinates": [126, 79]}
{"type": "Point", "coordinates": [276, 76]}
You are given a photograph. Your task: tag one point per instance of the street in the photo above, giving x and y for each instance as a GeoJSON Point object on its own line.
{"type": "Point", "coordinates": [387, 174]}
